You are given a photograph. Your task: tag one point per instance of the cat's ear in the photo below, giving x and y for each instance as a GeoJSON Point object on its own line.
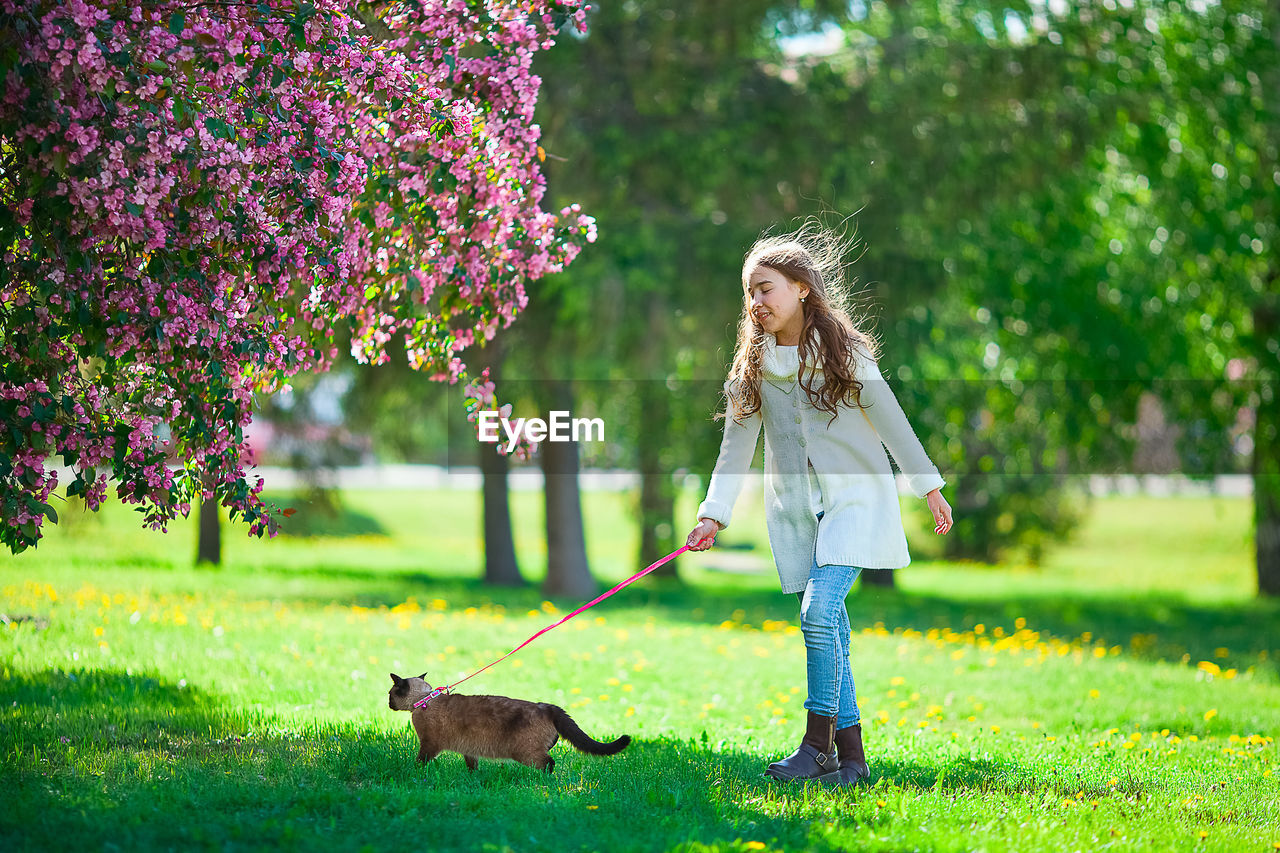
{"type": "Point", "coordinates": [395, 679]}
{"type": "Point", "coordinates": [423, 676]}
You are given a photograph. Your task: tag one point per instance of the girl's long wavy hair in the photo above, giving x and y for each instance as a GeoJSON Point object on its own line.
{"type": "Point", "coordinates": [814, 256]}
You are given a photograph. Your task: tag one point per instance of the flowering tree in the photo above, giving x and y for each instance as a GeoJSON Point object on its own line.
{"type": "Point", "coordinates": [200, 199]}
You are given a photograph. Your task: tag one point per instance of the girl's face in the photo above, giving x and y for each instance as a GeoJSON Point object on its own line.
{"type": "Point", "coordinates": [776, 305]}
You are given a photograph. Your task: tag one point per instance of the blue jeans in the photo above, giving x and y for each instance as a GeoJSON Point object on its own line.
{"type": "Point", "coordinates": [824, 621]}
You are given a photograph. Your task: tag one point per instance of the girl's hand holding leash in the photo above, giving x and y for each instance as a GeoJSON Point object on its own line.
{"type": "Point", "coordinates": [941, 511]}
{"type": "Point", "coordinates": [704, 535]}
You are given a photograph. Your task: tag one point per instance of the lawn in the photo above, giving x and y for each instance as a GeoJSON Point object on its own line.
{"type": "Point", "coordinates": [1123, 695]}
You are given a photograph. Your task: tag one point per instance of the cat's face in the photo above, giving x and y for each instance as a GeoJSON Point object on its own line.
{"type": "Point", "coordinates": [405, 691]}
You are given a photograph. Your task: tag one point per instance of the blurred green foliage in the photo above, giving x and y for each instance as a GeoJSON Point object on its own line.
{"type": "Point", "coordinates": [1059, 214]}
{"type": "Point", "coordinates": [1064, 213]}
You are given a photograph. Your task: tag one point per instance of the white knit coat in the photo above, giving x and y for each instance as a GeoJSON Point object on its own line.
{"type": "Point", "coordinates": [861, 523]}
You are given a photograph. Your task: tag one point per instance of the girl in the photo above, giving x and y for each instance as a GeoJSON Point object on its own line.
{"type": "Point", "coordinates": [811, 378]}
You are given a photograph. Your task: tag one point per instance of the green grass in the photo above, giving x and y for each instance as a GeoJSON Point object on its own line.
{"type": "Point", "coordinates": [1123, 695]}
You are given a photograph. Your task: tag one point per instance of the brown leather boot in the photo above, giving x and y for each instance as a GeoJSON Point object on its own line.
{"type": "Point", "coordinates": [816, 755]}
{"type": "Point", "coordinates": [853, 762]}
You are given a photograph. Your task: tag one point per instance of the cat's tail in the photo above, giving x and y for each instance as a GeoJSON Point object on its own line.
{"type": "Point", "coordinates": [569, 730]}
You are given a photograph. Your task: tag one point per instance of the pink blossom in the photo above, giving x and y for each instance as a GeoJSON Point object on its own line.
{"type": "Point", "coordinates": [213, 251]}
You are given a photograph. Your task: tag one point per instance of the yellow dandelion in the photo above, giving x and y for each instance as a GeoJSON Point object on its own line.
{"type": "Point", "coordinates": [995, 730]}
{"type": "Point", "coordinates": [1113, 782]}
{"type": "Point", "coordinates": [1094, 694]}
{"type": "Point", "coordinates": [1211, 713]}
{"type": "Point", "coordinates": [592, 808]}
{"type": "Point", "coordinates": [755, 845]}
{"type": "Point", "coordinates": [880, 803]}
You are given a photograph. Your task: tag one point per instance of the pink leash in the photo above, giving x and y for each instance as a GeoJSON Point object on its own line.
{"type": "Point", "coordinates": [439, 690]}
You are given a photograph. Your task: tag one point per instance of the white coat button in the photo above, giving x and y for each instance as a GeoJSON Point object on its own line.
{"type": "Point", "coordinates": [802, 442]}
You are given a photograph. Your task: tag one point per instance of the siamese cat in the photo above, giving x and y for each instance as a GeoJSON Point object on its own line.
{"type": "Point", "coordinates": [490, 726]}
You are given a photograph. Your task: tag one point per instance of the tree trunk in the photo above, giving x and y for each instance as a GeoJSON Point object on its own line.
{"type": "Point", "coordinates": [568, 573]}
{"type": "Point", "coordinates": [657, 492]}
{"type": "Point", "coordinates": [1266, 504]}
{"type": "Point", "coordinates": [1266, 451]}
{"type": "Point", "coordinates": [209, 540]}
{"type": "Point", "coordinates": [878, 577]}
{"type": "Point", "coordinates": [500, 565]}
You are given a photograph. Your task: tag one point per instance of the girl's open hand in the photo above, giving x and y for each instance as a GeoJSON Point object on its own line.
{"type": "Point", "coordinates": [941, 512]}
{"type": "Point", "coordinates": [703, 536]}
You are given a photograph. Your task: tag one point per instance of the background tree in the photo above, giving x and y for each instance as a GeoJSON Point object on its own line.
{"type": "Point", "coordinates": [1139, 267]}
{"type": "Point", "coordinates": [547, 348]}
{"type": "Point", "coordinates": [500, 565]}
{"type": "Point", "coordinates": [1197, 166]}
{"type": "Point", "coordinates": [667, 122]}
{"type": "Point", "coordinates": [1032, 230]}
